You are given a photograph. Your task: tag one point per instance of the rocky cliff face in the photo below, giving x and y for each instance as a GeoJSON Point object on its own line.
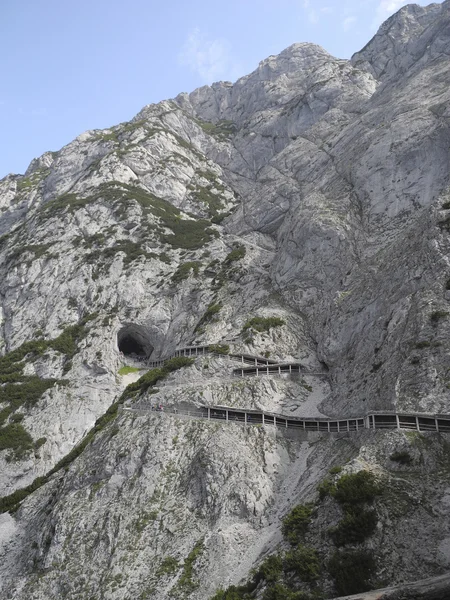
{"type": "Point", "coordinates": [314, 190]}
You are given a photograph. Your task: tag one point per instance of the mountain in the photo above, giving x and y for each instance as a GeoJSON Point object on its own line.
{"type": "Point", "coordinates": [299, 216]}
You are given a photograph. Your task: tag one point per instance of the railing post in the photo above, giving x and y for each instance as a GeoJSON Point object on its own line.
{"type": "Point", "coordinates": [209, 413]}
{"type": "Point", "coordinates": [436, 424]}
{"type": "Point", "coordinates": [279, 370]}
{"type": "Point", "coordinates": [263, 419]}
{"type": "Point", "coordinates": [397, 419]}
{"type": "Point", "coordinates": [226, 412]}
{"type": "Point", "coordinates": [417, 424]}
{"type": "Point", "coordinates": [245, 418]}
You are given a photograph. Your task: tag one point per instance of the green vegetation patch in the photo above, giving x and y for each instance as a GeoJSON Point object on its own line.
{"type": "Point", "coordinates": [262, 324]}
{"type": "Point", "coordinates": [127, 370]}
{"type": "Point", "coordinates": [303, 562]}
{"type": "Point", "coordinates": [238, 253]}
{"type": "Point", "coordinates": [210, 316]}
{"type": "Point", "coordinates": [219, 348]}
{"type": "Point", "coordinates": [296, 523]}
{"type": "Point", "coordinates": [212, 201]}
{"type": "Point", "coordinates": [189, 234]}
{"type": "Point", "coordinates": [223, 129]}
{"type": "Point", "coordinates": [15, 437]}
{"type": "Point", "coordinates": [169, 566]}
{"type": "Point", "coordinates": [184, 271]}
{"type": "Point", "coordinates": [358, 524]}
{"type": "Point", "coordinates": [35, 250]}
{"type": "Point", "coordinates": [186, 584]}
{"type": "Point", "coordinates": [18, 390]}
{"type": "Point", "coordinates": [437, 315]}
{"type": "Point", "coordinates": [11, 502]}
{"type": "Point", "coordinates": [352, 570]}
{"type": "Point", "coordinates": [355, 488]}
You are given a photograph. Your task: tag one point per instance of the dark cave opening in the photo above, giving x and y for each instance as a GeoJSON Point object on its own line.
{"type": "Point", "coordinates": [129, 345]}
{"type": "Point", "coordinates": [134, 341]}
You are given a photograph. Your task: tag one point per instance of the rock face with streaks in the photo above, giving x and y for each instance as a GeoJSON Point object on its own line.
{"type": "Point", "coordinates": [314, 190]}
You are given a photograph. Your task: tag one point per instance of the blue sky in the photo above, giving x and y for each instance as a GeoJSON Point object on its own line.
{"type": "Point", "coordinates": [67, 67]}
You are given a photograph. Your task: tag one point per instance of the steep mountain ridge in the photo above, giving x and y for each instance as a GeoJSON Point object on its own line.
{"type": "Point", "coordinates": [314, 190]}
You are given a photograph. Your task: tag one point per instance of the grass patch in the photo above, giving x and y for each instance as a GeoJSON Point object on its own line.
{"type": "Point", "coordinates": [127, 370]}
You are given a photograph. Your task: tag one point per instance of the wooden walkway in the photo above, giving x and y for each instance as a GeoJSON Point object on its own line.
{"type": "Point", "coordinates": [260, 365]}
{"type": "Point", "coordinates": [372, 420]}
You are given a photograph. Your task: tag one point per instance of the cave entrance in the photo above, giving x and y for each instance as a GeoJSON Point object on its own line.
{"type": "Point", "coordinates": [134, 342]}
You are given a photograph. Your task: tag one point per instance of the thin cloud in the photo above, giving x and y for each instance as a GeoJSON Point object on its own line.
{"type": "Point", "coordinates": [311, 12]}
{"type": "Point", "coordinates": [314, 13]}
{"type": "Point", "coordinates": [211, 59]}
{"type": "Point", "coordinates": [348, 22]}
{"type": "Point", "coordinates": [386, 8]}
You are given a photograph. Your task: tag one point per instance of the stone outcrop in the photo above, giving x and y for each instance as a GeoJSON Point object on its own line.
{"type": "Point", "coordinates": [314, 190]}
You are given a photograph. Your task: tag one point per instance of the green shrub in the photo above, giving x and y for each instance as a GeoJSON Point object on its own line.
{"type": "Point", "coordinates": [278, 591]}
{"type": "Point", "coordinates": [271, 569]}
{"type": "Point", "coordinates": [436, 315]}
{"type": "Point", "coordinates": [237, 253]}
{"type": "Point", "coordinates": [325, 488]}
{"type": "Point", "coordinates": [39, 442]}
{"type": "Point", "coordinates": [304, 562]}
{"type": "Point", "coordinates": [446, 206]}
{"type": "Point", "coordinates": [355, 488]}
{"type": "Point", "coordinates": [262, 324]}
{"type": "Point", "coordinates": [209, 316]}
{"type": "Point", "coordinates": [335, 470]}
{"type": "Point", "coordinates": [219, 348]}
{"type": "Point", "coordinates": [169, 566]}
{"type": "Point", "coordinates": [352, 570]}
{"type": "Point", "coordinates": [186, 583]}
{"type": "Point", "coordinates": [357, 525]}
{"type": "Point", "coordinates": [212, 200]}
{"type": "Point", "coordinates": [184, 270]}
{"type": "Point", "coordinates": [15, 437]}
{"type": "Point", "coordinates": [296, 523]}
{"type": "Point", "coordinates": [423, 344]}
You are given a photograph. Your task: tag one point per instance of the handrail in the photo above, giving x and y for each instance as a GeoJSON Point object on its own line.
{"type": "Point", "coordinates": [370, 420]}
